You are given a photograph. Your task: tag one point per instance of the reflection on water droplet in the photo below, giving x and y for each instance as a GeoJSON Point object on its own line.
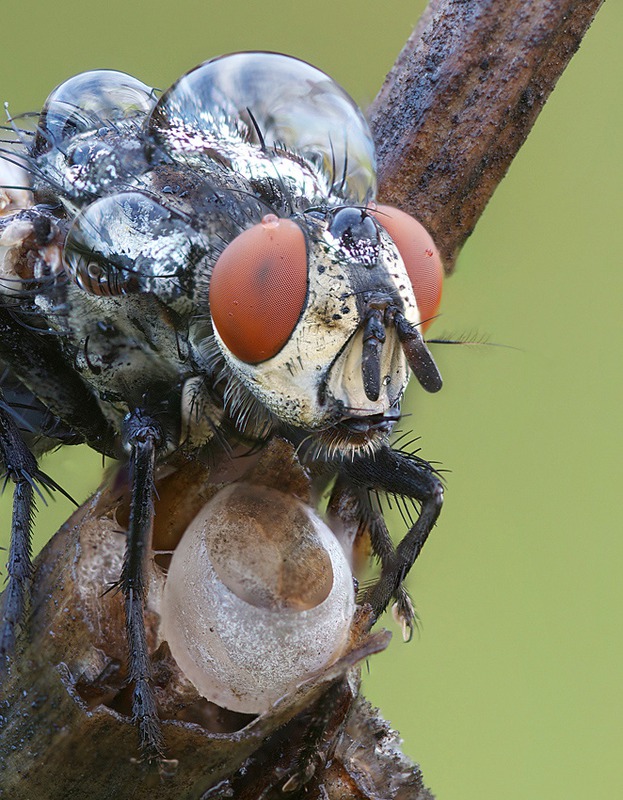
{"type": "Point", "coordinates": [138, 243]}
{"type": "Point", "coordinates": [275, 104]}
{"type": "Point", "coordinates": [270, 221]}
{"type": "Point", "coordinates": [88, 102]}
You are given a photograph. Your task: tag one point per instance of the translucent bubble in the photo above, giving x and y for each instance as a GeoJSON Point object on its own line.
{"type": "Point", "coordinates": [259, 595]}
{"type": "Point", "coordinates": [269, 100]}
{"type": "Point", "coordinates": [89, 101]}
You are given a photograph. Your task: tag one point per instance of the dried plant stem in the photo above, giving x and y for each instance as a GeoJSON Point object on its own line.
{"type": "Point", "coordinates": [460, 101]}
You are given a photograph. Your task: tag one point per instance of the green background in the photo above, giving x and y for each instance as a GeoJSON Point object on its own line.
{"type": "Point", "coordinates": [512, 687]}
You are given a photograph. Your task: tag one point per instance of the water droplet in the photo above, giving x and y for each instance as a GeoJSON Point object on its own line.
{"type": "Point", "coordinates": [88, 102]}
{"type": "Point", "coordinates": [248, 107]}
{"type": "Point", "coordinates": [270, 221]}
{"type": "Point", "coordinates": [138, 244]}
{"type": "Point", "coordinates": [259, 595]}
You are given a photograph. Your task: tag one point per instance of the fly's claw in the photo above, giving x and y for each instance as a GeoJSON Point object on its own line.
{"type": "Point", "coordinates": [404, 614]}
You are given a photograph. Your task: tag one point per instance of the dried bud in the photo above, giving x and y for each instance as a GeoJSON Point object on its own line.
{"type": "Point", "coordinates": [259, 595]}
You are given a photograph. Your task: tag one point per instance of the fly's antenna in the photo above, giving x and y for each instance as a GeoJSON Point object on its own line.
{"type": "Point", "coordinates": [471, 340]}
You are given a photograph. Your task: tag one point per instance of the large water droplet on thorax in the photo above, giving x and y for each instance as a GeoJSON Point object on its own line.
{"type": "Point", "coordinates": [270, 100]}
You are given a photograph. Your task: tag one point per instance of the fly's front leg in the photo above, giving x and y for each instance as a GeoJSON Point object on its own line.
{"type": "Point", "coordinates": [351, 505]}
{"type": "Point", "coordinates": [142, 436]}
{"type": "Point", "coordinates": [404, 475]}
{"type": "Point", "coordinates": [19, 466]}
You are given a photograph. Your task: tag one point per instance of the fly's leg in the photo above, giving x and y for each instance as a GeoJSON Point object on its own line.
{"type": "Point", "coordinates": [403, 475]}
{"type": "Point", "coordinates": [37, 361]}
{"type": "Point", "coordinates": [142, 435]}
{"type": "Point", "coordinates": [351, 504]}
{"type": "Point", "coordinates": [20, 467]}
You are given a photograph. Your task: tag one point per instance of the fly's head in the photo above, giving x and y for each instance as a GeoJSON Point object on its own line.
{"type": "Point", "coordinates": [319, 317]}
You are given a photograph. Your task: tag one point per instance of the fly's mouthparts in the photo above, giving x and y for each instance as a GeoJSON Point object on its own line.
{"type": "Point", "coordinates": [370, 422]}
{"type": "Point", "coordinates": [373, 340]}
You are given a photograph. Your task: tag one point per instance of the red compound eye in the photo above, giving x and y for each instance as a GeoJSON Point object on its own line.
{"type": "Point", "coordinates": [420, 256]}
{"type": "Point", "coordinates": [258, 289]}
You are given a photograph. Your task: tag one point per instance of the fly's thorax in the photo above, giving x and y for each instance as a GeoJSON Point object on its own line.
{"type": "Point", "coordinates": [248, 108]}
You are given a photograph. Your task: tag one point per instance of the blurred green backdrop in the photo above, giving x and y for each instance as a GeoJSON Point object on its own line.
{"type": "Point", "coordinates": [512, 688]}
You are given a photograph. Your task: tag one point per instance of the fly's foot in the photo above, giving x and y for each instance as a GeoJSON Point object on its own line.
{"type": "Point", "coordinates": [404, 614]}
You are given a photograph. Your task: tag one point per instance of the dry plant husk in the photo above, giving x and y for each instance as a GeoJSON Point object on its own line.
{"type": "Point", "coordinates": [66, 729]}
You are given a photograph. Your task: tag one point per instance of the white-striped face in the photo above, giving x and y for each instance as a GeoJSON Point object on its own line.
{"type": "Point", "coordinates": [319, 316]}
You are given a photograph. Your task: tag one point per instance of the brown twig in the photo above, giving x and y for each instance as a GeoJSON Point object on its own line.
{"type": "Point", "coordinates": [460, 101]}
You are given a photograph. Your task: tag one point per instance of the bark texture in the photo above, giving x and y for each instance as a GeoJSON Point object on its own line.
{"type": "Point", "coordinates": [460, 101]}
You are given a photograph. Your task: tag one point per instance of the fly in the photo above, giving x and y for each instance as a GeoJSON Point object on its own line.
{"type": "Point", "coordinates": [189, 272]}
